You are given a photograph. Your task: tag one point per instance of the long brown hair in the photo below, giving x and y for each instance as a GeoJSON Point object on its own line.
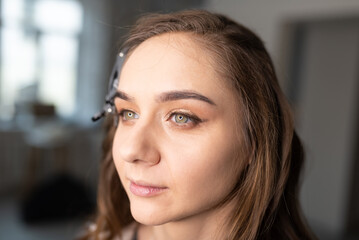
{"type": "Point", "coordinates": [266, 195]}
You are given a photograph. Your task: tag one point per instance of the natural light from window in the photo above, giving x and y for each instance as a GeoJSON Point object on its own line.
{"type": "Point", "coordinates": [39, 50]}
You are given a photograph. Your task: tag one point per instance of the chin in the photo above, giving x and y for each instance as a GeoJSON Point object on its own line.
{"type": "Point", "coordinates": [150, 215]}
{"type": "Point", "coordinates": [147, 216]}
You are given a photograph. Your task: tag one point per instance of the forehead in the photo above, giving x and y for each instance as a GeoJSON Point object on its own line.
{"type": "Point", "coordinates": [170, 61]}
{"type": "Point", "coordinates": [181, 45]}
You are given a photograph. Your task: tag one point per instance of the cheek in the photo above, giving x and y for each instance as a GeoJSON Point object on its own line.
{"type": "Point", "coordinates": [206, 168]}
{"type": "Point", "coordinates": [114, 149]}
{"type": "Point", "coordinates": [115, 155]}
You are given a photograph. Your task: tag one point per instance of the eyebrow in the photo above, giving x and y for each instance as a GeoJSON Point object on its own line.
{"type": "Point", "coordinates": [170, 96]}
{"type": "Point", "coordinates": [124, 96]}
{"type": "Point", "coordinates": [178, 95]}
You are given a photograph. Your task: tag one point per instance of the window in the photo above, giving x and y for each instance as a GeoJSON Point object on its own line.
{"type": "Point", "coordinates": [39, 53]}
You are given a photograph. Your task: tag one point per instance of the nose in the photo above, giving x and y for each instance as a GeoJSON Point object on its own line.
{"type": "Point", "coordinates": [137, 144]}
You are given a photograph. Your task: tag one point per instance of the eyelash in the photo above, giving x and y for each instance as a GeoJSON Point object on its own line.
{"type": "Point", "coordinates": [121, 113]}
{"type": "Point", "coordinates": [193, 119]}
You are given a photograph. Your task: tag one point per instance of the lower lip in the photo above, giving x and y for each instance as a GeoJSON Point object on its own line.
{"type": "Point", "coordinates": [145, 191]}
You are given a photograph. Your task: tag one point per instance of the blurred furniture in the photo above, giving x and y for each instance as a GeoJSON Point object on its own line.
{"type": "Point", "coordinates": [48, 138]}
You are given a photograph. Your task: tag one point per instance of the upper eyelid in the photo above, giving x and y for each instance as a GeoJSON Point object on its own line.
{"type": "Point", "coordinates": [122, 110]}
{"type": "Point", "coordinates": [121, 106]}
{"type": "Point", "coordinates": [183, 112]}
{"type": "Point", "coordinates": [189, 114]}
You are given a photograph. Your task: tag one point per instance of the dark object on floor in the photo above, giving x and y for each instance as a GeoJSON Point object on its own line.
{"type": "Point", "coordinates": [58, 199]}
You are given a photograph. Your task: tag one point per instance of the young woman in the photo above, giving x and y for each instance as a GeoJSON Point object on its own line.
{"type": "Point", "coordinates": [203, 145]}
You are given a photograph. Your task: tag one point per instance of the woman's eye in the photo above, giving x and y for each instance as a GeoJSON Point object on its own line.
{"type": "Point", "coordinates": [128, 115]}
{"type": "Point", "coordinates": [184, 119]}
{"type": "Point", "coordinates": [180, 118]}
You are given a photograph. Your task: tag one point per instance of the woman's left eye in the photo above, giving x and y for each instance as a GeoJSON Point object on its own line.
{"type": "Point", "coordinates": [184, 119]}
{"type": "Point", "coordinates": [181, 118]}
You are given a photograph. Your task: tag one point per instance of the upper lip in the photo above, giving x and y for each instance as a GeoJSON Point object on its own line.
{"type": "Point", "coordinates": [146, 184]}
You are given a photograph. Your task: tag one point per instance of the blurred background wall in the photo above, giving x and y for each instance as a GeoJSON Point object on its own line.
{"type": "Point", "coordinates": [56, 56]}
{"type": "Point", "coordinates": [315, 47]}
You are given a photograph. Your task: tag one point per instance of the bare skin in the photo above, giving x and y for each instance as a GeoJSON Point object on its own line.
{"type": "Point", "coordinates": [176, 146]}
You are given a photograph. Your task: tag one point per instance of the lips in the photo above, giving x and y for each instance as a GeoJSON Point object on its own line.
{"type": "Point", "coordinates": [143, 189]}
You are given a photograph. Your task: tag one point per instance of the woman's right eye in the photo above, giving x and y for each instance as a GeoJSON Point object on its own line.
{"type": "Point", "coordinates": [128, 115]}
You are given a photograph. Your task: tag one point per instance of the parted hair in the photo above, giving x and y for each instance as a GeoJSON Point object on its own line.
{"type": "Point", "coordinates": [266, 195]}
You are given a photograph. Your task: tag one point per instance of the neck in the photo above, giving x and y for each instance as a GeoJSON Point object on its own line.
{"type": "Point", "coordinates": [210, 224]}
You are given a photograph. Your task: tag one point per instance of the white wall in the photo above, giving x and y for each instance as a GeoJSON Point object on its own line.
{"type": "Point", "coordinates": [266, 16]}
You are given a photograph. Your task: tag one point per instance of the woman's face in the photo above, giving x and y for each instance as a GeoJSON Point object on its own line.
{"type": "Point", "coordinates": [176, 147]}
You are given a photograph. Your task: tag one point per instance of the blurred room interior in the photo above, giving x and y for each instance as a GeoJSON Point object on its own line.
{"type": "Point", "coordinates": [55, 59]}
